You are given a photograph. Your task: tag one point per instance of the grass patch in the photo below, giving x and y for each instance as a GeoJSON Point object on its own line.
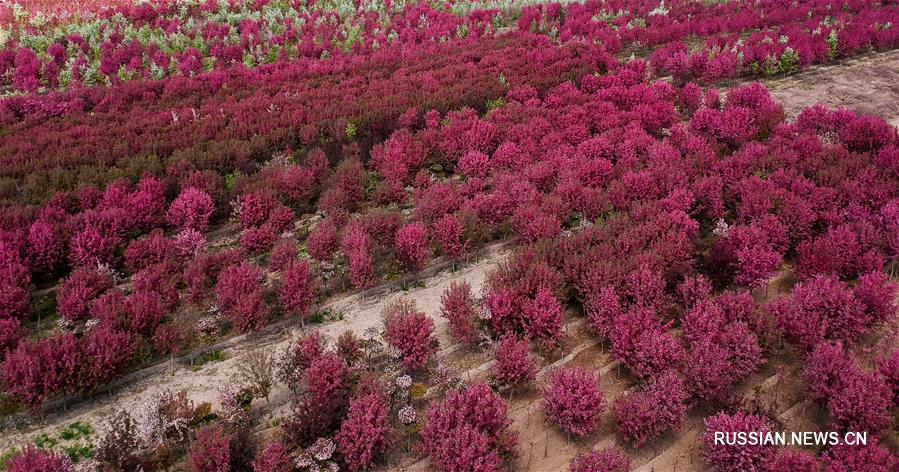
{"type": "Point", "coordinates": [206, 358]}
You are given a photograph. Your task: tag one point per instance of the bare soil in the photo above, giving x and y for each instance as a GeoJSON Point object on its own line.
{"type": "Point", "coordinates": [867, 84]}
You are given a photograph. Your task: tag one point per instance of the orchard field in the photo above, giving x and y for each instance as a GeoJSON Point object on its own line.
{"type": "Point", "coordinates": [472, 235]}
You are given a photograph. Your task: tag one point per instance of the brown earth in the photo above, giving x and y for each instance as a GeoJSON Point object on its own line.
{"type": "Point", "coordinates": [867, 84]}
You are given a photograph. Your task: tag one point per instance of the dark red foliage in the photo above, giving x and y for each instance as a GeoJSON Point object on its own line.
{"type": "Point", "coordinates": [458, 307]}
{"type": "Point", "coordinates": [868, 458]}
{"type": "Point", "coordinates": [191, 210]}
{"type": "Point", "coordinates": [412, 246]}
{"type": "Point", "coordinates": [543, 319]}
{"type": "Point", "coordinates": [610, 459]}
{"type": "Point", "coordinates": [640, 342]}
{"type": "Point", "coordinates": [213, 450]}
{"type": "Point", "coordinates": [105, 353]}
{"type": "Point", "coordinates": [889, 368]}
{"type": "Point", "coordinates": [572, 400]}
{"type": "Point", "coordinates": [10, 334]}
{"type": "Point", "coordinates": [513, 363]}
{"type": "Point", "coordinates": [239, 296]}
{"type": "Point", "coordinates": [468, 430]}
{"type": "Point", "coordinates": [151, 250]}
{"type": "Point", "coordinates": [32, 459]}
{"type": "Point", "coordinates": [327, 380]}
{"type": "Point", "coordinates": [735, 458]}
{"type": "Point", "coordinates": [273, 458]}
{"type": "Point", "coordinates": [256, 240]}
{"type": "Point", "coordinates": [449, 234]}
{"type": "Point", "coordinates": [795, 460]}
{"type": "Point", "coordinates": [38, 369]}
{"type": "Point", "coordinates": [821, 308]}
{"type": "Point", "coordinates": [298, 291]}
{"type": "Point", "coordinates": [366, 433]}
{"type": "Point", "coordinates": [411, 333]}
{"type": "Point", "coordinates": [283, 254]}
{"type": "Point", "coordinates": [79, 290]}
{"type": "Point", "coordinates": [299, 357]}
{"type": "Point", "coordinates": [323, 240]}
{"type": "Point", "coordinates": [659, 407]}
{"type": "Point", "coordinates": [878, 295]}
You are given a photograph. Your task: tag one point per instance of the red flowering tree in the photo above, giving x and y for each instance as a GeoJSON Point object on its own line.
{"type": "Point", "coordinates": [327, 380]}
{"type": "Point", "coordinates": [411, 246]}
{"type": "Point", "coordinates": [602, 307]}
{"type": "Point", "coordinates": [253, 210]}
{"type": "Point", "coordinates": [459, 308]}
{"type": "Point", "coordinates": [239, 296]}
{"type": "Point", "coordinates": [861, 403]}
{"type": "Point", "coordinates": [191, 210]}
{"type": "Point", "coordinates": [543, 319]}
{"type": "Point", "coordinates": [411, 333]}
{"type": "Point", "coordinates": [298, 290]}
{"type": "Point", "coordinates": [889, 368]}
{"type": "Point", "coordinates": [870, 457]}
{"type": "Point", "coordinates": [38, 369]}
{"type": "Point", "coordinates": [10, 334]}
{"type": "Point", "coordinates": [356, 245]}
{"type": "Point", "coordinates": [299, 357]}
{"type": "Point", "coordinates": [213, 450]}
{"type": "Point", "coordinates": [273, 458]}
{"type": "Point", "coordinates": [650, 412]}
{"type": "Point", "coordinates": [572, 400]}
{"type": "Point", "coordinates": [795, 460]}
{"type": "Point", "coordinates": [323, 240]}
{"type": "Point", "coordinates": [821, 308]}
{"type": "Point", "coordinates": [105, 352]}
{"type": "Point", "coordinates": [468, 430]}
{"type": "Point", "coordinates": [32, 459]}
{"type": "Point", "coordinates": [878, 295]}
{"type": "Point", "coordinates": [610, 459]}
{"type": "Point", "coordinates": [79, 290]}
{"type": "Point", "coordinates": [449, 234]}
{"type": "Point", "coordinates": [825, 368]}
{"type": "Point", "coordinates": [513, 363]}
{"type": "Point", "coordinates": [283, 254]}
{"type": "Point", "coordinates": [733, 457]}
{"type": "Point", "coordinates": [640, 342]}
{"type": "Point", "coordinates": [366, 433]}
